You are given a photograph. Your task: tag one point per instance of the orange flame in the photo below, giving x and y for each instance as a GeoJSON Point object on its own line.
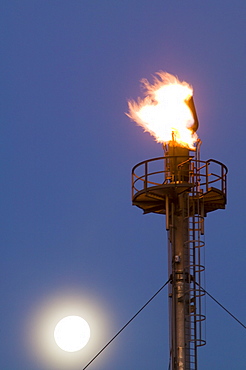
{"type": "Point", "coordinates": [164, 112]}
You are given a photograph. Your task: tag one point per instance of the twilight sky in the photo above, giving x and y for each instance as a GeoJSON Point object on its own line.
{"type": "Point", "coordinates": [71, 242]}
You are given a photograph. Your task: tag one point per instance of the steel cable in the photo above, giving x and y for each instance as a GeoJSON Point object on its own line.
{"type": "Point", "coordinates": [141, 309]}
{"type": "Point", "coordinates": [234, 317]}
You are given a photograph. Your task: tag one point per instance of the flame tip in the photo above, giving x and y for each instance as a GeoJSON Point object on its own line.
{"type": "Point", "coordinates": [164, 110]}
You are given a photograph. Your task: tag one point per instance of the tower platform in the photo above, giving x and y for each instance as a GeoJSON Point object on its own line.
{"type": "Point", "coordinates": [151, 184]}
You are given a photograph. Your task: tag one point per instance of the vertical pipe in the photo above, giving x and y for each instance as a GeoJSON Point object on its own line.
{"type": "Point", "coordinates": [167, 212]}
{"type": "Point", "coordinates": [207, 164]}
{"type": "Point", "coordinates": [146, 176]}
{"type": "Point", "coordinates": [179, 258]}
{"type": "Point", "coordinates": [179, 310]}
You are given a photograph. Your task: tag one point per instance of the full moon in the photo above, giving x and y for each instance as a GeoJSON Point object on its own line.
{"type": "Point", "coordinates": [72, 333]}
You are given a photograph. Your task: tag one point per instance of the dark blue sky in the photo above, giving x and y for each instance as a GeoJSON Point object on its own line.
{"type": "Point", "coordinates": [70, 238]}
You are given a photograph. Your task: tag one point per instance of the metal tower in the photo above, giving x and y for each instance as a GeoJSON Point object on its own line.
{"type": "Point", "coordinates": [185, 189]}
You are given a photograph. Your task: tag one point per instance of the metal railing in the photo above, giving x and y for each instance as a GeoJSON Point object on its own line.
{"type": "Point", "coordinates": [202, 174]}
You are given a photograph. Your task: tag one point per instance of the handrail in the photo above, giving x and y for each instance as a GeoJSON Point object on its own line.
{"type": "Point", "coordinates": [199, 174]}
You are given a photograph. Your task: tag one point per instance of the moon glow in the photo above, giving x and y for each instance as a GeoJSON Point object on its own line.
{"type": "Point", "coordinates": [72, 333]}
